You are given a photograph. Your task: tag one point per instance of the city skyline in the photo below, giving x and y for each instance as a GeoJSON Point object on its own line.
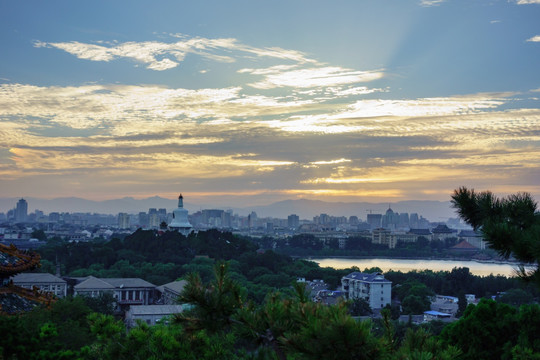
{"type": "Point", "coordinates": [307, 209]}
{"type": "Point", "coordinates": [246, 103]}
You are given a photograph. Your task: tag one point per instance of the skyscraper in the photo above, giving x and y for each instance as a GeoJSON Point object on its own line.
{"type": "Point", "coordinates": [374, 221]}
{"type": "Point", "coordinates": [21, 211]}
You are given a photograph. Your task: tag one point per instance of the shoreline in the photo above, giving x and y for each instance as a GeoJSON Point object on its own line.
{"type": "Point", "coordinates": [350, 257]}
{"type": "Point", "coordinates": [407, 264]}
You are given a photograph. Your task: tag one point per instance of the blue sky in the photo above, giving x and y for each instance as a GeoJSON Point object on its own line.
{"type": "Point", "coordinates": [248, 102]}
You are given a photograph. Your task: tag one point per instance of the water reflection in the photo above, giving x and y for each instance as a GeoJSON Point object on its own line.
{"type": "Point", "coordinates": [476, 268]}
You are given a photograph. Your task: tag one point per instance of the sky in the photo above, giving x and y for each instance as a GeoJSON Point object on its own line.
{"type": "Point", "coordinates": [251, 102]}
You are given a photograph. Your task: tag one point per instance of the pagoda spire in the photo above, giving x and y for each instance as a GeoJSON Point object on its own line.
{"type": "Point", "coordinates": [180, 201]}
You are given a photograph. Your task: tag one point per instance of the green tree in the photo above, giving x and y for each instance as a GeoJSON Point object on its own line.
{"type": "Point", "coordinates": [296, 328]}
{"type": "Point", "coordinates": [359, 307]}
{"type": "Point", "coordinates": [462, 304]}
{"type": "Point", "coordinates": [55, 333]}
{"type": "Point", "coordinates": [516, 297]}
{"type": "Point", "coordinates": [213, 303]}
{"type": "Point", "coordinates": [156, 343]}
{"type": "Point", "coordinates": [510, 225]}
{"type": "Point", "coordinates": [415, 297]}
{"type": "Point", "coordinates": [414, 304]}
{"type": "Point", "coordinates": [39, 234]}
{"type": "Point", "coordinates": [420, 344]}
{"type": "Point", "coordinates": [483, 331]}
{"type": "Point", "coordinates": [103, 303]}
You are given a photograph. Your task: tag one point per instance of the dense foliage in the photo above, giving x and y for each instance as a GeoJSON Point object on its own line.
{"type": "Point", "coordinates": [510, 225]}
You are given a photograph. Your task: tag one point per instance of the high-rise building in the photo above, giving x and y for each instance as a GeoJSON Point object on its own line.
{"type": "Point", "coordinates": [293, 221]}
{"type": "Point", "coordinates": [162, 213]}
{"type": "Point", "coordinates": [404, 220]}
{"type": "Point", "coordinates": [21, 211]}
{"type": "Point", "coordinates": [212, 216]}
{"type": "Point", "coordinates": [374, 221]}
{"type": "Point", "coordinates": [390, 220]}
{"type": "Point", "coordinates": [123, 221]}
{"type": "Point", "coordinates": [143, 219]}
{"type": "Point", "coordinates": [413, 221]}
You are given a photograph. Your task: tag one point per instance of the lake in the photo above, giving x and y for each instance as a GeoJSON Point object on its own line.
{"type": "Point", "coordinates": [475, 267]}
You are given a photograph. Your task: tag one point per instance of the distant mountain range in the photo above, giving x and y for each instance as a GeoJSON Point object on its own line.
{"type": "Point", "coordinates": [304, 208]}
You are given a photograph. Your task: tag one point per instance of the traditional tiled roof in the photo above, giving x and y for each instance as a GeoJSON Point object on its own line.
{"type": "Point", "coordinates": [424, 232]}
{"type": "Point", "coordinates": [129, 283]}
{"type": "Point", "coordinates": [94, 283]}
{"type": "Point", "coordinates": [442, 229]}
{"type": "Point", "coordinates": [464, 245]}
{"type": "Point", "coordinates": [175, 286]}
{"type": "Point", "coordinates": [36, 278]}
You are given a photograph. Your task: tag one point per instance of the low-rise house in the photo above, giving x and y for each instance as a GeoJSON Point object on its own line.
{"type": "Point", "coordinates": [436, 315]}
{"type": "Point", "coordinates": [314, 287]}
{"type": "Point", "coordinates": [445, 304]}
{"type": "Point", "coordinates": [171, 291]}
{"type": "Point", "coordinates": [374, 288]}
{"type": "Point", "coordinates": [43, 281]}
{"type": "Point", "coordinates": [150, 314]}
{"type": "Point", "coordinates": [471, 298]}
{"type": "Point", "coordinates": [330, 297]}
{"type": "Point", "coordinates": [126, 291]}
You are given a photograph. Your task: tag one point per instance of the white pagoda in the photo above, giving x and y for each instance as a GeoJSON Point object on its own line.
{"type": "Point", "coordinates": [180, 220]}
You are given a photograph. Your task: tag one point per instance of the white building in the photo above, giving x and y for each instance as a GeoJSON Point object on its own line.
{"type": "Point", "coordinates": [374, 288]}
{"type": "Point", "coordinates": [180, 220]}
{"type": "Point", "coordinates": [43, 281]}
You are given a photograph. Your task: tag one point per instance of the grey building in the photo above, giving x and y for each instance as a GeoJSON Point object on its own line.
{"type": "Point", "coordinates": [43, 281]}
{"type": "Point", "coordinates": [21, 211]}
{"type": "Point", "coordinates": [171, 291]}
{"type": "Point", "coordinates": [126, 291]}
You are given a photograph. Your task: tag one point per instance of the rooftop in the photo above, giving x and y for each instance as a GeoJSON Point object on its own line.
{"type": "Point", "coordinates": [368, 277]}
{"type": "Point", "coordinates": [155, 309]}
{"type": "Point", "coordinates": [36, 278]}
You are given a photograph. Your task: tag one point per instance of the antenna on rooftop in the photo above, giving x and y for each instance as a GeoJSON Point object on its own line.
{"type": "Point", "coordinates": [371, 210]}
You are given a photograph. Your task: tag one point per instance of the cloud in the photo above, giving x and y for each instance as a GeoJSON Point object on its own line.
{"type": "Point", "coordinates": [162, 56]}
{"type": "Point", "coordinates": [526, 2]}
{"type": "Point", "coordinates": [330, 162]}
{"type": "Point", "coordinates": [431, 2]}
{"type": "Point", "coordinates": [426, 106]}
{"type": "Point", "coordinates": [289, 143]}
{"type": "Point", "coordinates": [311, 77]}
{"type": "Point", "coordinates": [534, 38]}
